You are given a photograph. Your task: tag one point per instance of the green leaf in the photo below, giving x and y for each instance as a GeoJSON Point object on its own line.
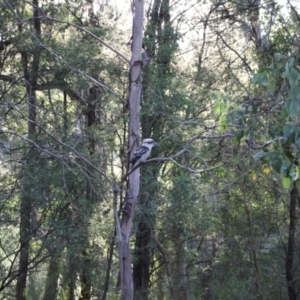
{"type": "Point", "coordinates": [217, 109]}
{"type": "Point", "coordinates": [288, 129]}
{"type": "Point", "coordinates": [255, 79]}
{"type": "Point", "coordinates": [216, 96]}
{"type": "Point", "coordinates": [276, 163]}
{"type": "Point", "coordinates": [277, 56]}
{"type": "Point", "coordinates": [285, 163]}
{"type": "Point", "coordinates": [237, 159]}
{"type": "Point", "coordinates": [291, 61]}
{"type": "Point", "coordinates": [286, 73]}
{"type": "Point", "coordinates": [293, 106]}
{"type": "Point", "coordinates": [294, 172]}
{"type": "Point", "coordinates": [223, 123]}
{"type": "Point", "coordinates": [271, 86]}
{"type": "Point", "coordinates": [257, 156]}
{"type": "Point", "coordinates": [243, 109]}
{"type": "Point", "coordinates": [264, 81]}
{"type": "Point", "coordinates": [262, 70]}
{"type": "Point", "coordinates": [294, 75]}
{"type": "Point", "coordinates": [286, 182]}
{"type": "Point", "coordinates": [239, 135]}
{"type": "Point", "coordinates": [261, 77]}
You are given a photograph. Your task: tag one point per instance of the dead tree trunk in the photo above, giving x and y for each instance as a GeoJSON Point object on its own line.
{"type": "Point", "coordinates": [123, 234]}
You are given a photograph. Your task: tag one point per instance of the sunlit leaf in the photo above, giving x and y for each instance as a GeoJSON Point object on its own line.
{"type": "Point", "coordinates": [267, 170]}
{"type": "Point", "coordinates": [223, 123]}
{"type": "Point", "coordinates": [216, 109]}
{"type": "Point", "coordinates": [286, 182]}
{"type": "Point", "coordinates": [254, 175]}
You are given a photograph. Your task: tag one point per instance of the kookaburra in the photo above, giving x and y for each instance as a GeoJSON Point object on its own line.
{"type": "Point", "coordinates": [141, 153]}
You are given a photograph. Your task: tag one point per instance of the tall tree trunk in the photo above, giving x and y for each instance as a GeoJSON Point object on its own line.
{"type": "Point", "coordinates": [26, 202]}
{"type": "Point", "coordinates": [109, 264]}
{"type": "Point", "coordinates": [141, 266]}
{"type": "Point", "coordinates": [181, 283]}
{"type": "Point", "coordinates": [25, 210]}
{"type": "Point", "coordinates": [253, 246]}
{"type": "Point", "coordinates": [145, 226]}
{"type": "Point", "coordinates": [157, 36]}
{"type": "Point", "coordinates": [52, 277]}
{"type": "Point", "coordinates": [291, 281]}
{"type": "Point", "coordinates": [51, 286]}
{"type": "Point", "coordinates": [123, 232]}
{"type": "Point", "coordinates": [86, 279]}
{"type": "Point", "coordinates": [72, 273]}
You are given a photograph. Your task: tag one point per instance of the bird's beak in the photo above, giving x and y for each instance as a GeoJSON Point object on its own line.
{"type": "Point", "coordinates": [156, 144]}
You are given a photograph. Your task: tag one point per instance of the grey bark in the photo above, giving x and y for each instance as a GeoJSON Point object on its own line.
{"type": "Point", "coordinates": [126, 280]}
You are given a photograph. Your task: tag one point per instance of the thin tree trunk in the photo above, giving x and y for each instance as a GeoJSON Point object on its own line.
{"type": "Point", "coordinates": [72, 271]}
{"type": "Point", "coordinates": [182, 279]}
{"type": "Point", "coordinates": [25, 206]}
{"type": "Point", "coordinates": [25, 210]}
{"type": "Point", "coordinates": [291, 281]}
{"type": "Point", "coordinates": [141, 267]}
{"type": "Point", "coordinates": [253, 246]}
{"type": "Point", "coordinates": [142, 252]}
{"type": "Point", "coordinates": [86, 282]}
{"type": "Point", "coordinates": [123, 232]}
{"type": "Point", "coordinates": [208, 275]}
{"type": "Point", "coordinates": [86, 279]}
{"type": "Point", "coordinates": [109, 264]}
{"type": "Point", "coordinates": [26, 201]}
